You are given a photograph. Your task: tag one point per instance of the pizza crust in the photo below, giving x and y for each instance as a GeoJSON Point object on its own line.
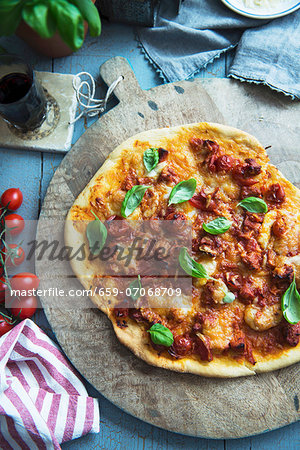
{"type": "Point", "coordinates": [135, 336]}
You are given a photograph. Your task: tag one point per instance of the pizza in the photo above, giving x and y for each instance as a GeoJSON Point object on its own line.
{"type": "Point", "coordinates": [243, 314]}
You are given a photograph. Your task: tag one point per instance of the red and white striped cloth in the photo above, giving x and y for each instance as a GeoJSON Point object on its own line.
{"type": "Point", "coordinates": [42, 400]}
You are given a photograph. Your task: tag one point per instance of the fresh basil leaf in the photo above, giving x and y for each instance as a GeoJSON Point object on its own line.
{"type": "Point", "coordinates": [40, 19]}
{"type": "Point", "coordinates": [290, 304]}
{"type": "Point", "coordinates": [183, 191]}
{"type": "Point", "coordinates": [190, 266]}
{"type": "Point", "coordinates": [69, 22]}
{"type": "Point", "coordinates": [229, 297]}
{"type": "Point", "coordinates": [90, 14]}
{"type": "Point", "coordinates": [132, 199]}
{"type": "Point", "coordinates": [254, 205]}
{"type": "Point", "coordinates": [10, 16]}
{"type": "Point", "coordinates": [96, 233]}
{"type": "Point", "coordinates": [161, 335]}
{"type": "Point", "coordinates": [217, 226]}
{"type": "Point", "coordinates": [135, 288]}
{"type": "Point", "coordinates": [151, 158]}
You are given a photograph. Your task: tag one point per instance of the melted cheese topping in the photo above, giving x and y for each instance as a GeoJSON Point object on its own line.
{"type": "Point", "coordinates": [264, 235]}
{"type": "Point", "coordinates": [219, 329]}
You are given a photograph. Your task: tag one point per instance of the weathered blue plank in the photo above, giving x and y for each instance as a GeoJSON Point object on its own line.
{"type": "Point", "coordinates": [287, 438]}
{"type": "Point", "coordinates": [13, 44]}
{"type": "Point", "coordinates": [115, 40]}
{"type": "Point", "coordinates": [238, 444]}
{"type": "Point", "coordinates": [22, 170]}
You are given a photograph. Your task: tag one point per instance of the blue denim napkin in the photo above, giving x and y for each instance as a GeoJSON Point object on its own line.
{"type": "Point", "coordinates": [267, 52]}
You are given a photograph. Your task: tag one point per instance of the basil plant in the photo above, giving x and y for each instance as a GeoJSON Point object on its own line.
{"type": "Point", "coordinates": [48, 16]}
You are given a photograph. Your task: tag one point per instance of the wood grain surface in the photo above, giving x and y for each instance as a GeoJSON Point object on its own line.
{"type": "Point", "coordinates": [183, 403]}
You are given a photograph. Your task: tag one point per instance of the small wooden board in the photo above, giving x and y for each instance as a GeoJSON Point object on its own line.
{"type": "Point", "coordinates": [213, 408]}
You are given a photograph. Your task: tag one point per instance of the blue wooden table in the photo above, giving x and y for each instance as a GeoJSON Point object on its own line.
{"type": "Point", "coordinates": [32, 172]}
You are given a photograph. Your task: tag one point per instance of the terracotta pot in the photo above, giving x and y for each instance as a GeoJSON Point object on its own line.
{"type": "Point", "coordinates": [54, 47]}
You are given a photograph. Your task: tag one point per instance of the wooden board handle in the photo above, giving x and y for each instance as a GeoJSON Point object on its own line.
{"type": "Point", "coordinates": [129, 87]}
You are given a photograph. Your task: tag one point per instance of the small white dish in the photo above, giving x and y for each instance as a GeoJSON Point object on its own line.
{"type": "Point", "coordinates": [279, 8]}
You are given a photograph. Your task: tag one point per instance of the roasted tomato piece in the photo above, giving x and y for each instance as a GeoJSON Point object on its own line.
{"type": "Point", "coordinates": [202, 347]}
{"type": "Point", "coordinates": [240, 175]}
{"type": "Point", "coordinates": [291, 334]}
{"type": "Point", "coordinates": [163, 154]}
{"type": "Point", "coordinates": [181, 346]}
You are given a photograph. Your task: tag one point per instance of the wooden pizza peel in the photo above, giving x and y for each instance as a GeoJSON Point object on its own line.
{"type": "Point", "coordinates": [184, 403]}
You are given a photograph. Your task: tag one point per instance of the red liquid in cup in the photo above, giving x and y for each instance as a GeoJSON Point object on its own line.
{"type": "Point", "coordinates": [13, 87]}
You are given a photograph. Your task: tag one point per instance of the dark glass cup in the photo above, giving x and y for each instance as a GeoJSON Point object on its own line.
{"type": "Point", "coordinates": [22, 99]}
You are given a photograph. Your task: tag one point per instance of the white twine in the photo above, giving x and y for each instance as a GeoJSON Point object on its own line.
{"type": "Point", "coordinates": [92, 106]}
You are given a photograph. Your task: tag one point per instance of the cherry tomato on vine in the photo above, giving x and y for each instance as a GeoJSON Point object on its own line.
{"type": "Point", "coordinates": [13, 255]}
{"type": "Point", "coordinates": [24, 308]}
{"type": "Point", "coordinates": [14, 224]}
{"type": "Point", "coordinates": [12, 199]}
{"type": "Point", "coordinates": [5, 325]}
{"type": "Point", "coordinates": [24, 281]}
{"type": "Point", "coordinates": [3, 289]}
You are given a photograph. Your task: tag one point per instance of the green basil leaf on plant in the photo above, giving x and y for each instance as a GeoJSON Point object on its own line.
{"type": "Point", "coordinates": [183, 191]}
{"type": "Point", "coordinates": [90, 14]}
{"type": "Point", "coordinates": [10, 16]}
{"type": "Point", "coordinates": [254, 205]}
{"type": "Point", "coordinates": [151, 158]}
{"type": "Point", "coordinates": [161, 335]}
{"type": "Point", "coordinates": [39, 18]}
{"type": "Point", "coordinates": [8, 5]}
{"type": "Point", "coordinates": [229, 297]}
{"type": "Point", "coordinates": [190, 266]}
{"type": "Point", "coordinates": [69, 22]}
{"type": "Point", "coordinates": [135, 288]}
{"type": "Point", "coordinates": [96, 233]}
{"type": "Point", "coordinates": [290, 304]}
{"type": "Point", "coordinates": [132, 199]}
{"type": "Point", "coordinates": [217, 226]}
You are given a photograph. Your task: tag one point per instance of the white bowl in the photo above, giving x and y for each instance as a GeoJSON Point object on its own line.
{"type": "Point", "coordinates": [279, 9]}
